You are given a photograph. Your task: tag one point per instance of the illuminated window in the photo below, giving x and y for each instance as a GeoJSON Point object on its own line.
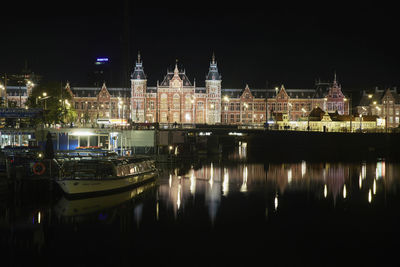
{"type": "Point", "coordinates": [176, 101]}
{"type": "Point", "coordinates": [164, 101]}
{"type": "Point", "coordinates": [188, 102]}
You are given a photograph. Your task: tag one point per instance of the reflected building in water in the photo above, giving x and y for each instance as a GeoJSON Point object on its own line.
{"type": "Point", "coordinates": [336, 181]}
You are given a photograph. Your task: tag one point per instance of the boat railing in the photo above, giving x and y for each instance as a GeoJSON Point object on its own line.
{"type": "Point", "coordinates": [84, 154]}
{"type": "Point", "coordinates": [104, 169]}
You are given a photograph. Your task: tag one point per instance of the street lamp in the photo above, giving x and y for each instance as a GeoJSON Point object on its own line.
{"type": "Point", "coordinates": [193, 105]}
{"type": "Point", "coordinates": [308, 118]}
{"type": "Point", "coordinates": [226, 100]}
{"type": "Point", "coordinates": [1, 92]}
{"type": "Point", "coordinates": [44, 98]}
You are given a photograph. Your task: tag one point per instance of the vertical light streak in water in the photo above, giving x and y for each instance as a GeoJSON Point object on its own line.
{"type": "Point", "coordinates": [242, 150]}
{"type": "Point", "coordinates": [178, 200]}
{"type": "Point", "coordinates": [192, 183]}
{"type": "Point", "coordinates": [289, 176]}
{"type": "Point", "coordinates": [157, 210]}
{"type": "Point", "coordinates": [170, 180]}
{"type": "Point", "coordinates": [211, 174]}
{"type": "Point", "coordinates": [276, 202]}
{"type": "Point", "coordinates": [243, 188]}
{"type": "Point", "coordinates": [374, 187]}
{"type": "Point", "coordinates": [225, 183]}
{"type": "Point", "coordinates": [369, 196]}
{"type": "Point", "coordinates": [363, 171]}
{"type": "Point", "coordinates": [360, 181]}
{"type": "Point", "coordinates": [344, 191]}
{"type": "Point", "coordinates": [380, 170]}
{"type": "Point", "coordinates": [137, 213]}
{"type": "Point", "coordinates": [39, 217]}
{"type": "Point", "coordinates": [303, 168]}
{"type": "Point", "coordinates": [325, 191]}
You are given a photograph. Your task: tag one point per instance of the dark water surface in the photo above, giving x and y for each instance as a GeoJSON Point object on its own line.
{"type": "Point", "coordinates": [217, 213]}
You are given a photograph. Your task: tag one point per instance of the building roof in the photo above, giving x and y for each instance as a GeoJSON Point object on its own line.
{"type": "Point", "coordinates": [368, 98]}
{"type": "Point", "coordinates": [271, 93]}
{"type": "Point", "coordinates": [213, 73]}
{"type": "Point", "coordinates": [138, 73]}
{"type": "Point", "coordinates": [316, 113]}
{"type": "Point", "coordinates": [94, 91]}
{"type": "Point", "coordinates": [170, 75]}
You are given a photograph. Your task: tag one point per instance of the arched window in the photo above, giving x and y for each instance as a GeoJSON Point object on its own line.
{"type": "Point", "coordinates": [188, 102]}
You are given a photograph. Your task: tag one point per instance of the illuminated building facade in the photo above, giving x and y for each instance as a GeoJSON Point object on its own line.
{"type": "Point", "coordinates": [383, 103]}
{"type": "Point", "coordinates": [178, 100]}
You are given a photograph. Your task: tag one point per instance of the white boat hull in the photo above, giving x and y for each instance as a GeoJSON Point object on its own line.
{"type": "Point", "coordinates": [72, 207]}
{"type": "Point", "coordinates": [84, 186]}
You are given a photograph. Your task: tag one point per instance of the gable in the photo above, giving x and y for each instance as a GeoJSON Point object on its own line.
{"type": "Point", "coordinates": [104, 94]}
{"type": "Point", "coordinates": [247, 93]}
{"type": "Point", "coordinates": [282, 94]}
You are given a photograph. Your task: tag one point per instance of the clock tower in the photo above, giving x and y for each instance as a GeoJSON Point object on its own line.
{"type": "Point", "coordinates": [213, 90]}
{"type": "Point", "coordinates": [138, 92]}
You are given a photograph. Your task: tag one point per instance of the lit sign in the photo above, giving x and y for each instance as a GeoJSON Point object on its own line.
{"type": "Point", "coordinates": [102, 59]}
{"type": "Point", "coordinates": [20, 112]}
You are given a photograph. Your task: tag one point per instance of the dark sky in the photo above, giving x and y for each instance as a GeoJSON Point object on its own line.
{"type": "Point", "coordinates": [285, 43]}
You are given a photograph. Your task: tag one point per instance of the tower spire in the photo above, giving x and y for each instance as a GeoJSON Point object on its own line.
{"type": "Point", "coordinates": [334, 77]}
{"type": "Point", "coordinates": [213, 73]}
{"type": "Point", "coordinates": [176, 70]}
{"type": "Point", "coordinates": [138, 72]}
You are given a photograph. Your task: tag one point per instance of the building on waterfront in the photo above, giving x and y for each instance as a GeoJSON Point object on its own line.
{"type": "Point", "coordinates": [93, 104]}
{"type": "Point", "coordinates": [322, 121]}
{"type": "Point", "coordinates": [383, 103]}
{"type": "Point", "coordinates": [177, 99]}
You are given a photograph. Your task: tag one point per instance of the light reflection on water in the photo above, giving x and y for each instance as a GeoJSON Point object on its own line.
{"type": "Point", "coordinates": [332, 181]}
{"type": "Point", "coordinates": [217, 207]}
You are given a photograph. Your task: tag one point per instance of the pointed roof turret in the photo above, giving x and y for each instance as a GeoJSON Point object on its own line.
{"type": "Point", "coordinates": [213, 73]}
{"type": "Point", "coordinates": [176, 70]}
{"type": "Point", "coordinates": [138, 73]}
{"type": "Point", "coordinates": [335, 83]}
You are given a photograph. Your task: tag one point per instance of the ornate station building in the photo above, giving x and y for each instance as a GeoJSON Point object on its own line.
{"type": "Point", "coordinates": [178, 100]}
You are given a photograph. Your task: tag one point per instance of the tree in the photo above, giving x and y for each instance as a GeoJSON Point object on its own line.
{"type": "Point", "coordinates": [55, 101]}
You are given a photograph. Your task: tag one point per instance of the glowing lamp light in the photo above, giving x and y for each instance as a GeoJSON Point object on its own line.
{"type": "Point", "coordinates": [82, 133]}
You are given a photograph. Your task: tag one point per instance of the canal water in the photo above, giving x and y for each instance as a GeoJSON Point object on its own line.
{"type": "Point", "coordinates": [217, 211]}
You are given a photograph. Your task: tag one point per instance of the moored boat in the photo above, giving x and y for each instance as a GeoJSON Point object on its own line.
{"type": "Point", "coordinates": [85, 176]}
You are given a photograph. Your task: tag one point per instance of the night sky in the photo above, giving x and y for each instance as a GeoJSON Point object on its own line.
{"type": "Point", "coordinates": [276, 44]}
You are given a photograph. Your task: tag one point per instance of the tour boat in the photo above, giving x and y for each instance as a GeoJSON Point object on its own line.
{"type": "Point", "coordinates": [85, 176]}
